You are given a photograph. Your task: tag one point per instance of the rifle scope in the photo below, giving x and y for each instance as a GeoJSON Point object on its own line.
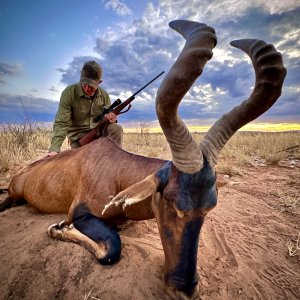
{"type": "Point", "coordinates": [107, 110]}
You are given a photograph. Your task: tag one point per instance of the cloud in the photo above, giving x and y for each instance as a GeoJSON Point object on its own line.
{"type": "Point", "coordinates": [118, 6]}
{"type": "Point", "coordinates": [9, 70]}
{"type": "Point", "coordinates": [131, 54]}
{"type": "Point", "coordinates": [53, 89]}
{"type": "Point", "coordinates": [17, 108]}
{"type": "Point", "coordinates": [71, 74]}
{"type": "Point", "coordinates": [216, 11]}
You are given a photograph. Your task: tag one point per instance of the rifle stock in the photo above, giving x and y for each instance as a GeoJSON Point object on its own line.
{"type": "Point", "coordinates": [97, 131]}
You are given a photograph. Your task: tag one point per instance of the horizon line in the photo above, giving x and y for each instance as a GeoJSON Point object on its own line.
{"type": "Point", "coordinates": [255, 127]}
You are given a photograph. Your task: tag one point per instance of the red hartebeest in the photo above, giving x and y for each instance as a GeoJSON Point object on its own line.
{"type": "Point", "coordinates": [100, 183]}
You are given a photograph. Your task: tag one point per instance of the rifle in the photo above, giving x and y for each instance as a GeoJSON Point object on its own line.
{"type": "Point", "coordinates": [116, 108]}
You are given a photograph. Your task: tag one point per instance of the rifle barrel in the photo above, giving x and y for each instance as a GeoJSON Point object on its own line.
{"type": "Point", "coordinates": [148, 83]}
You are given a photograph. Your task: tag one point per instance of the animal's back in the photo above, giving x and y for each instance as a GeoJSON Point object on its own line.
{"type": "Point", "coordinates": [52, 184]}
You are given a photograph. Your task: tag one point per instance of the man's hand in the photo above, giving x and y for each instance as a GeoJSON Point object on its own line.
{"type": "Point", "coordinates": [51, 154]}
{"type": "Point", "coordinates": [111, 117]}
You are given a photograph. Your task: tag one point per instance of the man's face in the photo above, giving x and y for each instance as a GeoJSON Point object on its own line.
{"type": "Point", "coordinates": [88, 90]}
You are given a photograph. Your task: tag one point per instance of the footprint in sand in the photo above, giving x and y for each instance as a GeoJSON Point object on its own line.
{"type": "Point", "coordinates": [284, 279]}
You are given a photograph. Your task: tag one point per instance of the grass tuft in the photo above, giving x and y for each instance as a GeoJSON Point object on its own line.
{"type": "Point", "coordinates": [289, 204]}
{"type": "Point", "coordinates": [294, 246]}
{"type": "Point", "coordinates": [21, 142]}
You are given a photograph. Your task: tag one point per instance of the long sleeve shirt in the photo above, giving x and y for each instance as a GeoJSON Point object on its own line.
{"type": "Point", "coordinates": [75, 114]}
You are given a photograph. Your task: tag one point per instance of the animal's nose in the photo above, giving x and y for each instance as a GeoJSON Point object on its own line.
{"type": "Point", "coordinates": [183, 289]}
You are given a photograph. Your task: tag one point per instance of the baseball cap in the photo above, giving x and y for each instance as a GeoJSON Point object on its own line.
{"type": "Point", "coordinates": [91, 73]}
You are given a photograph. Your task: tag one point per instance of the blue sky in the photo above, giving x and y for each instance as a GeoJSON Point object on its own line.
{"type": "Point", "coordinates": [44, 44]}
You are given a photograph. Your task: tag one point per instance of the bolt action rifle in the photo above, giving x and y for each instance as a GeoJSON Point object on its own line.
{"type": "Point", "coordinates": [116, 108]}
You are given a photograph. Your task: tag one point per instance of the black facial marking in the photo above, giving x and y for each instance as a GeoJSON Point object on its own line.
{"type": "Point", "coordinates": [163, 174]}
{"type": "Point", "coordinates": [98, 231]}
{"type": "Point", "coordinates": [198, 190]}
{"type": "Point", "coordinates": [184, 276]}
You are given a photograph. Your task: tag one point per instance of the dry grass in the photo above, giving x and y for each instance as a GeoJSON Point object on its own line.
{"type": "Point", "coordinates": [289, 203]}
{"type": "Point", "coordinates": [247, 149]}
{"type": "Point", "coordinates": [294, 246]}
{"type": "Point", "coordinates": [147, 144]}
{"type": "Point", "coordinates": [288, 200]}
{"type": "Point", "coordinates": [243, 150]}
{"type": "Point", "coordinates": [89, 296]}
{"type": "Point", "coordinates": [25, 142]}
{"type": "Point", "coordinates": [21, 142]}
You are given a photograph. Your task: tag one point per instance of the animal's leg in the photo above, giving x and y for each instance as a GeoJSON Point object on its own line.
{"type": "Point", "coordinates": [90, 232]}
{"type": "Point", "coordinates": [138, 192]}
{"type": "Point", "coordinates": [9, 202]}
{"type": "Point", "coordinates": [69, 233]}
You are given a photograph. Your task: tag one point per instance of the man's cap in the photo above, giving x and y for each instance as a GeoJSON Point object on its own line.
{"type": "Point", "coordinates": [91, 74]}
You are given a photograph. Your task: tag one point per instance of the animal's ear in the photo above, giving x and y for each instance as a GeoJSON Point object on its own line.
{"type": "Point", "coordinates": [137, 193]}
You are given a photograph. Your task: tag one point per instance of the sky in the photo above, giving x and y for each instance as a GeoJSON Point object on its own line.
{"type": "Point", "coordinates": [45, 43]}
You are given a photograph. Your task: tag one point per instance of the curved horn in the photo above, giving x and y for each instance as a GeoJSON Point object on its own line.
{"type": "Point", "coordinates": [270, 74]}
{"type": "Point", "coordinates": [200, 40]}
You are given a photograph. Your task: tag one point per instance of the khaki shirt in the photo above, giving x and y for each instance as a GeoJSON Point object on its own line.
{"type": "Point", "coordinates": [75, 114]}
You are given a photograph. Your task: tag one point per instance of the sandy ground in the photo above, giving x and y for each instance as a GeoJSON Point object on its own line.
{"type": "Point", "coordinates": [243, 252]}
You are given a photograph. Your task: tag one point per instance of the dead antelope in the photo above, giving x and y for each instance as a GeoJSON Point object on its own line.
{"type": "Point", "coordinates": [178, 193]}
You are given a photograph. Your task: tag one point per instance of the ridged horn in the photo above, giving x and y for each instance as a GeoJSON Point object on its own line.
{"type": "Point", "coordinates": [200, 40]}
{"type": "Point", "coordinates": [270, 74]}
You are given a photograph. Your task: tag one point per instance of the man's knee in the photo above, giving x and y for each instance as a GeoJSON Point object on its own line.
{"type": "Point", "coordinates": [115, 132]}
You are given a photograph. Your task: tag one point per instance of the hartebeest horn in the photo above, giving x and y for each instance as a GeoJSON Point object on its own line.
{"type": "Point", "coordinates": [200, 40]}
{"type": "Point", "coordinates": [270, 74]}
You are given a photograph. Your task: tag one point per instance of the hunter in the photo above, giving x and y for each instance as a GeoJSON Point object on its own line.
{"type": "Point", "coordinates": [79, 104]}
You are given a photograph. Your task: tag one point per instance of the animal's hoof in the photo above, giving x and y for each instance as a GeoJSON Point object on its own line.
{"type": "Point", "coordinates": [56, 231]}
{"type": "Point", "coordinates": [53, 230]}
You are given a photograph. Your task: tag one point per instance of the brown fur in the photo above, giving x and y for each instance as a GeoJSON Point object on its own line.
{"type": "Point", "coordinates": [52, 184]}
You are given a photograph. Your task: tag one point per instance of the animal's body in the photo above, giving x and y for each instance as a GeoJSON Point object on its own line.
{"type": "Point", "coordinates": [82, 175]}
{"type": "Point", "coordinates": [178, 193]}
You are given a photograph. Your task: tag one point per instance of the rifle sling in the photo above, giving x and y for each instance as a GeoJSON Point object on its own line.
{"type": "Point", "coordinates": [124, 111]}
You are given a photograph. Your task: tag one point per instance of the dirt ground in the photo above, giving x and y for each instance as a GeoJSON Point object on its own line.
{"type": "Point", "coordinates": [243, 251]}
